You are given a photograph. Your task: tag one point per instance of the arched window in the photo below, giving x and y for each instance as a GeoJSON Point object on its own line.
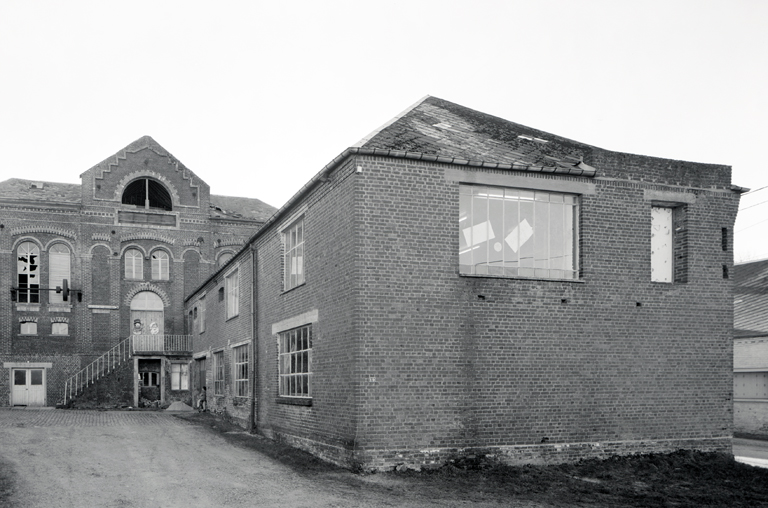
{"type": "Point", "coordinates": [147, 193]}
{"type": "Point", "coordinates": [58, 270]}
{"type": "Point", "coordinates": [28, 270]}
{"type": "Point", "coordinates": [134, 264]}
{"type": "Point", "coordinates": [160, 265]}
{"type": "Point", "coordinates": [224, 258]}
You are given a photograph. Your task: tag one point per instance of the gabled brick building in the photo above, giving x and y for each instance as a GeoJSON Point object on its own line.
{"type": "Point", "coordinates": [458, 283]}
{"type": "Point", "coordinates": [131, 240]}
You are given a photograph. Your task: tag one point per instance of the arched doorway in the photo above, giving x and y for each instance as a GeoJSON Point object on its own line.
{"type": "Point", "coordinates": [147, 319]}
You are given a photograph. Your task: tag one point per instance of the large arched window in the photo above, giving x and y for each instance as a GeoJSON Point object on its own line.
{"type": "Point", "coordinates": [147, 193]}
{"type": "Point", "coordinates": [134, 264]}
{"type": "Point", "coordinates": [58, 270]}
{"type": "Point", "coordinates": [160, 265]}
{"type": "Point", "coordinates": [28, 270]}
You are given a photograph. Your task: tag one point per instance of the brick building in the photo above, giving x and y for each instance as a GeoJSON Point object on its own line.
{"type": "Point", "coordinates": [750, 348]}
{"type": "Point", "coordinates": [458, 283]}
{"type": "Point", "coordinates": [131, 240]}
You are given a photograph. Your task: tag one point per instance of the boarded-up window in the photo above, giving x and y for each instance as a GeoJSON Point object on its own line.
{"type": "Point", "coordinates": [662, 244]}
{"type": "Point", "coordinates": [750, 385]}
{"type": "Point", "coordinates": [58, 270]}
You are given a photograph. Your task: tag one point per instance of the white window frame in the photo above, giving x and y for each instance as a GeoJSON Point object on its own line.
{"type": "Point", "coordinates": [293, 255]}
{"type": "Point", "coordinates": [240, 355]}
{"type": "Point", "coordinates": [202, 314]}
{"type": "Point", "coordinates": [160, 265]}
{"type": "Point", "coordinates": [518, 233]}
{"type": "Point", "coordinates": [59, 268]}
{"type": "Point", "coordinates": [232, 284]}
{"type": "Point", "coordinates": [29, 288]}
{"type": "Point", "coordinates": [179, 376]}
{"type": "Point", "coordinates": [218, 368]}
{"type": "Point", "coordinates": [28, 328]}
{"type": "Point", "coordinates": [135, 269]}
{"type": "Point", "coordinates": [295, 362]}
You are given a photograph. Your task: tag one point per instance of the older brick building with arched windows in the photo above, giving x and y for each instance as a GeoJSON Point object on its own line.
{"type": "Point", "coordinates": [128, 243]}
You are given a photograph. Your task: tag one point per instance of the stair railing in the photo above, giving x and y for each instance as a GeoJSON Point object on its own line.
{"type": "Point", "coordinates": [98, 368]}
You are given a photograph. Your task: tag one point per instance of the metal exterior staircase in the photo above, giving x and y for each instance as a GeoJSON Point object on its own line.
{"type": "Point", "coordinates": [97, 369]}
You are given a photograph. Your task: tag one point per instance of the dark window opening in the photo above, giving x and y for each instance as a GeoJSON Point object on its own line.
{"type": "Point", "coordinates": [147, 193]}
{"type": "Point", "coordinates": [724, 240]}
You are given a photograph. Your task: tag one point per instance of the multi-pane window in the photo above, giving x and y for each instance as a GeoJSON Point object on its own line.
{"type": "Point", "coordinates": [150, 378]}
{"type": "Point", "coordinates": [201, 373]}
{"type": "Point", "coordinates": [232, 283]}
{"type": "Point", "coordinates": [293, 266]}
{"type": "Point", "coordinates": [295, 362]}
{"type": "Point", "coordinates": [28, 270]}
{"type": "Point", "coordinates": [202, 315]}
{"type": "Point", "coordinates": [134, 264]}
{"type": "Point", "coordinates": [518, 233]}
{"type": "Point", "coordinates": [240, 356]}
{"type": "Point", "coordinates": [179, 376]}
{"type": "Point", "coordinates": [58, 270]}
{"type": "Point", "coordinates": [218, 371]}
{"type": "Point", "coordinates": [159, 265]}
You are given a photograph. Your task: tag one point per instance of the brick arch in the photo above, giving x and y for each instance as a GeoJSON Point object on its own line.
{"type": "Point", "coordinates": [95, 246]}
{"type": "Point", "coordinates": [130, 177]}
{"type": "Point", "coordinates": [147, 286]}
{"type": "Point", "coordinates": [163, 248]}
{"type": "Point", "coordinates": [60, 240]}
{"type": "Point", "coordinates": [23, 239]}
{"type": "Point", "coordinates": [134, 246]}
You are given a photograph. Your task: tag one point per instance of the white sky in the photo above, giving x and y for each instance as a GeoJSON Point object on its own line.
{"type": "Point", "coordinates": [256, 97]}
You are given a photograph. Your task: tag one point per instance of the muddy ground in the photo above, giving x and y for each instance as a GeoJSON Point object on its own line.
{"type": "Point", "coordinates": [231, 468]}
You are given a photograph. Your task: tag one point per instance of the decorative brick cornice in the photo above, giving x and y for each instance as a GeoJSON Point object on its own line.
{"type": "Point", "coordinates": [186, 242]}
{"type": "Point", "coordinates": [59, 319]}
{"type": "Point", "coordinates": [230, 241]}
{"type": "Point", "coordinates": [104, 237]}
{"type": "Point", "coordinates": [66, 233]}
{"type": "Point", "coordinates": [148, 236]}
{"type": "Point", "coordinates": [27, 319]}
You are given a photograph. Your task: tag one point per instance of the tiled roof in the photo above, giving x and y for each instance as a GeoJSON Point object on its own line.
{"type": "Point", "coordinates": [750, 306]}
{"type": "Point", "coordinates": [240, 208]}
{"type": "Point", "coordinates": [51, 192]}
{"type": "Point", "coordinates": [440, 128]}
{"type": "Point", "coordinates": [35, 190]}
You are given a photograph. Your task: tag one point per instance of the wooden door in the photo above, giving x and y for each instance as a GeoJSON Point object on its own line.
{"type": "Point", "coordinates": [28, 387]}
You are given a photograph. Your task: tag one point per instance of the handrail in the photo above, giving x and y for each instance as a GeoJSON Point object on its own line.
{"type": "Point", "coordinates": [143, 343]}
{"type": "Point", "coordinates": [101, 366]}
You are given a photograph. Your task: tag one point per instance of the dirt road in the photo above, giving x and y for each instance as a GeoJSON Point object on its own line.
{"type": "Point", "coordinates": [137, 459]}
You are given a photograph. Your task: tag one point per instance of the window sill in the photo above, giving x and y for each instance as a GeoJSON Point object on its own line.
{"type": "Point", "coordinates": [59, 307]}
{"type": "Point", "coordinates": [517, 277]}
{"type": "Point", "coordinates": [294, 287]}
{"type": "Point", "coordinates": [59, 336]}
{"type": "Point", "coordinates": [294, 401]}
{"type": "Point", "coordinates": [29, 335]}
{"type": "Point", "coordinates": [751, 400]}
{"type": "Point", "coordinates": [232, 317]}
{"type": "Point", "coordinates": [29, 307]}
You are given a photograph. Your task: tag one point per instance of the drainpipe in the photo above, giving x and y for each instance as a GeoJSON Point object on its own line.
{"type": "Point", "coordinates": [254, 337]}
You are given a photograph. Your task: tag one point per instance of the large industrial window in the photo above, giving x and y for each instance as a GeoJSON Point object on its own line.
{"type": "Point", "coordinates": [160, 265]}
{"type": "Point", "coordinates": [518, 233]}
{"type": "Point", "coordinates": [293, 265]}
{"type": "Point", "coordinates": [295, 362]}
{"type": "Point", "coordinates": [147, 193]}
{"type": "Point", "coordinates": [750, 385]}
{"type": "Point", "coordinates": [179, 376]}
{"type": "Point", "coordinates": [232, 282]}
{"type": "Point", "coordinates": [218, 370]}
{"type": "Point", "coordinates": [240, 355]}
{"type": "Point", "coordinates": [201, 373]}
{"type": "Point", "coordinates": [28, 270]}
{"type": "Point", "coordinates": [134, 264]}
{"type": "Point", "coordinates": [58, 270]}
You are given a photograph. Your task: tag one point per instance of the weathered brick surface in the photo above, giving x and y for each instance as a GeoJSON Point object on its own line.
{"type": "Point", "coordinates": [413, 362]}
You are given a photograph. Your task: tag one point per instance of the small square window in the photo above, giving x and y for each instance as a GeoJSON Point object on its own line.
{"type": "Point", "coordinates": [28, 328]}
